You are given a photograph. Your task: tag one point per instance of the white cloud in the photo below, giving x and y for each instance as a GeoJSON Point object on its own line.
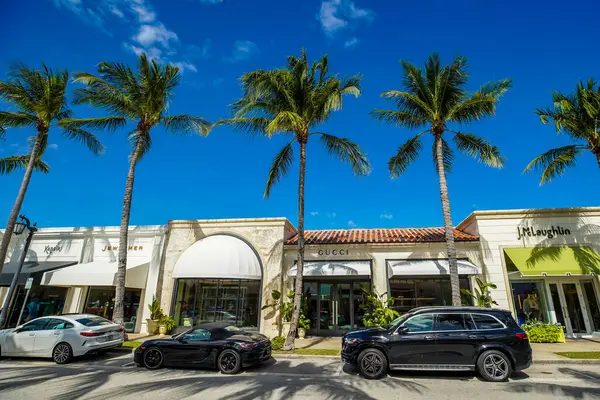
{"type": "Point", "coordinates": [337, 14]}
{"type": "Point", "coordinates": [351, 43]}
{"type": "Point", "coordinates": [157, 33]}
{"type": "Point", "coordinates": [314, 213]}
{"type": "Point", "coordinates": [93, 15]}
{"type": "Point", "coordinates": [242, 50]}
{"type": "Point", "coordinates": [113, 9]}
{"type": "Point", "coordinates": [386, 216]}
{"type": "Point", "coordinates": [143, 13]}
{"type": "Point", "coordinates": [53, 146]}
{"type": "Point", "coordinates": [153, 53]}
{"type": "Point", "coordinates": [352, 224]}
{"type": "Point", "coordinates": [183, 66]}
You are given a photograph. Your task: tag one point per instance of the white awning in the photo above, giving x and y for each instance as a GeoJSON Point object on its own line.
{"type": "Point", "coordinates": [431, 267]}
{"type": "Point", "coordinates": [334, 268]}
{"type": "Point", "coordinates": [30, 268]}
{"type": "Point", "coordinates": [218, 256]}
{"type": "Point", "coordinates": [98, 273]}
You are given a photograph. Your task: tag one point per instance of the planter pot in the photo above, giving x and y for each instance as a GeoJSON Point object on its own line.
{"type": "Point", "coordinates": [285, 328]}
{"type": "Point", "coordinates": [301, 333]}
{"type": "Point", "coordinates": [162, 329]}
{"type": "Point", "coordinates": [152, 326]}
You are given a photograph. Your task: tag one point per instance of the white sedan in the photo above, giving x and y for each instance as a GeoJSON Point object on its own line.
{"type": "Point", "coordinates": [61, 337]}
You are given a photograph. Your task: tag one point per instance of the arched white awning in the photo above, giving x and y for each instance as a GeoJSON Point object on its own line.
{"type": "Point", "coordinates": [218, 256]}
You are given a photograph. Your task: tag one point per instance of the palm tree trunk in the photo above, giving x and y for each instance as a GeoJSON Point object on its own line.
{"type": "Point", "coordinates": [448, 227]}
{"type": "Point", "coordinates": [123, 234]}
{"type": "Point", "coordinates": [291, 337]}
{"type": "Point", "coordinates": [14, 213]}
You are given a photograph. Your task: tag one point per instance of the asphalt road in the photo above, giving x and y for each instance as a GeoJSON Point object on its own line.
{"type": "Point", "coordinates": [115, 376]}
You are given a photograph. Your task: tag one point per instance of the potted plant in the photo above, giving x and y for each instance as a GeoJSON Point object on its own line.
{"type": "Point", "coordinates": [166, 324]}
{"type": "Point", "coordinates": [377, 310]}
{"type": "Point", "coordinates": [156, 314]}
{"type": "Point", "coordinates": [285, 309]}
{"type": "Point", "coordinates": [303, 325]}
{"type": "Point", "coordinates": [482, 297]}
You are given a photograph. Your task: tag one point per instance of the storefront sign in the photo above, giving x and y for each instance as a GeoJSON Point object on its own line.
{"type": "Point", "coordinates": [549, 233]}
{"type": "Point", "coordinates": [116, 248]}
{"type": "Point", "coordinates": [333, 252]}
{"type": "Point", "coordinates": [52, 249]}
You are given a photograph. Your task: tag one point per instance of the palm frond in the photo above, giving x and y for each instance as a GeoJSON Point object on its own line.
{"type": "Point", "coordinates": [280, 167]}
{"type": "Point", "coordinates": [406, 154]}
{"type": "Point", "coordinates": [554, 162]}
{"type": "Point", "coordinates": [480, 104]}
{"type": "Point", "coordinates": [406, 101]}
{"type": "Point", "coordinates": [348, 152]}
{"type": "Point", "coordinates": [250, 125]}
{"type": "Point", "coordinates": [111, 123]}
{"type": "Point", "coordinates": [84, 137]}
{"type": "Point", "coordinates": [399, 118]}
{"type": "Point", "coordinates": [479, 148]}
{"type": "Point", "coordinates": [9, 164]}
{"type": "Point", "coordinates": [17, 119]}
{"type": "Point", "coordinates": [186, 124]}
{"type": "Point", "coordinates": [286, 121]}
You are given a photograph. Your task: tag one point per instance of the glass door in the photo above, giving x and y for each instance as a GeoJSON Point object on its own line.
{"type": "Point", "coordinates": [573, 307]}
{"type": "Point", "coordinates": [568, 299]}
{"type": "Point", "coordinates": [593, 306]}
{"type": "Point", "coordinates": [326, 309]}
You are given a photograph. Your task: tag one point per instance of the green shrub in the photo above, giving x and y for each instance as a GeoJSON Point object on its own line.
{"type": "Point", "coordinates": [540, 332]}
{"type": "Point", "coordinates": [277, 342]}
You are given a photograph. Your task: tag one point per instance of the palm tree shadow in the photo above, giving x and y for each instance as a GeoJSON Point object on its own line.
{"type": "Point", "coordinates": [553, 247]}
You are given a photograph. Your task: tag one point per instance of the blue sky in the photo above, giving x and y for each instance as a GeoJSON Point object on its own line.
{"type": "Point", "coordinates": [542, 45]}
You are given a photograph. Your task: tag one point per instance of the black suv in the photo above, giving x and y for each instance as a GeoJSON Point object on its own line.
{"type": "Point", "coordinates": [442, 339]}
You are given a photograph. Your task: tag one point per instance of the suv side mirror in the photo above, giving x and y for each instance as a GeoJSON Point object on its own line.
{"type": "Point", "coordinates": [402, 330]}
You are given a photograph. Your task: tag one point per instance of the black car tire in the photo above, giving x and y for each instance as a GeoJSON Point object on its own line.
{"type": "Point", "coordinates": [153, 358]}
{"type": "Point", "coordinates": [372, 364]}
{"type": "Point", "coordinates": [494, 366]}
{"type": "Point", "coordinates": [62, 353]}
{"type": "Point", "coordinates": [229, 362]}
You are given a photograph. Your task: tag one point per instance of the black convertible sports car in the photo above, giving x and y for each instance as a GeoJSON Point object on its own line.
{"type": "Point", "coordinates": [212, 345]}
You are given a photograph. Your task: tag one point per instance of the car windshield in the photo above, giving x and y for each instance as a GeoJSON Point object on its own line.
{"type": "Point", "coordinates": [93, 321]}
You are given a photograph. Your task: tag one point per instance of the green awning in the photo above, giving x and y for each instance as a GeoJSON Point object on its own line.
{"type": "Point", "coordinates": [557, 261]}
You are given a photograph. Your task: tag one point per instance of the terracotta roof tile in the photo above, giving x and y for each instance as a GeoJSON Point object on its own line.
{"type": "Point", "coordinates": [401, 235]}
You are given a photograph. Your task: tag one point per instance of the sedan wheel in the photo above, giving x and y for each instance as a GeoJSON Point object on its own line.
{"type": "Point", "coordinates": [229, 362]}
{"type": "Point", "coordinates": [494, 366]}
{"type": "Point", "coordinates": [153, 358]}
{"type": "Point", "coordinates": [372, 364]}
{"type": "Point", "coordinates": [62, 353]}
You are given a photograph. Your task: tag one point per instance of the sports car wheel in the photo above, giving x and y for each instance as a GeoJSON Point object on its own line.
{"type": "Point", "coordinates": [62, 353]}
{"type": "Point", "coordinates": [153, 358]}
{"type": "Point", "coordinates": [229, 362]}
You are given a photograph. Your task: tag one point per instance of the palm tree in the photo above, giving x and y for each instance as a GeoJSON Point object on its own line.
{"type": "Point", "coordinates": [39, 97]}
{"type": "Point", "coordinates": [578, 115]}
{"type": "Point", "coordinates": [294, 101]}
{"type": "Point", "coordinates": [141, 97]}
{"type": "Point", "coordinates": [436, 99]}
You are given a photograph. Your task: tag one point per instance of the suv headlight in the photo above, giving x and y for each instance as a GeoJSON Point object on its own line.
{"type": "Point", "coordinates": [350, 340]}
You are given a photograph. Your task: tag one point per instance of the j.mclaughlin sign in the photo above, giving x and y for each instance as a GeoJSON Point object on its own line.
{"type": "Point", "coordinates": [551, 232]}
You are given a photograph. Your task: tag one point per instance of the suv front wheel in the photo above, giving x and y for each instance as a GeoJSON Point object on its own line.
{"type": "Point", "coordinates": [372, 364]}
{"type": "Point", "coordinates": [494, 366]}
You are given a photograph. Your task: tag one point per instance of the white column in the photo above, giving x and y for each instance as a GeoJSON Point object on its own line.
{"type": "Point", "coordinates": [151, 284]}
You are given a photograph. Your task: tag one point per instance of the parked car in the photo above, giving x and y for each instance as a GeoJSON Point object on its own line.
{"type": "Point", "coordinates": [212, 345]}
{"type": "Point", "coordinates": [442, 339]}
{"type": "Point", "coordinates": [61, 337]}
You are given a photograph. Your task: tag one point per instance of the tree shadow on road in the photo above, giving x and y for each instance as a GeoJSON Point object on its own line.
{"type": "Point", "coordinates": [575, 392]}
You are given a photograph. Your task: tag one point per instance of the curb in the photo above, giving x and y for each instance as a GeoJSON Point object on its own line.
{"type": "Point", "coordinates": [121, 350]}
{"type": "Point", "coordinates": [286, 356]}
{"type": "Point", "coordinates": [571, 361]}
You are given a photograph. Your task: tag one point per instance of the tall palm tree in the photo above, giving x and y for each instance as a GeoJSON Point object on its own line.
{"type": "Point", "coordinates": [141, 97]}
{"type": "Point", "coordinates": [294, 101]}
{"type": "Point", "coordinates": [436, 99]}
{"type": "Point", "coordinates": [39, 96]}
{"type": "Point", "coordinates": [578, 115]}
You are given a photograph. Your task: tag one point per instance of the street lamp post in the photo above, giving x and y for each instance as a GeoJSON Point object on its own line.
{"type": "Point", "coordinates": [19, 229]}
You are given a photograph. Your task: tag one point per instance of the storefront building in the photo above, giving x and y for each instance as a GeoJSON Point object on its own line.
{"type": "Point", "coordinates": [545, 263]}
{"type": "Point", "coordinates": [74, 270]}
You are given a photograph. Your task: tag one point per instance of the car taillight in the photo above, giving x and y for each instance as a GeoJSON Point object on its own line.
{"type": "Point", "coordinates": [522, 336]}
{"type": "Point", "coordinates": [90, 334]}
{"type": "Point", "coordinates": [247, 345]}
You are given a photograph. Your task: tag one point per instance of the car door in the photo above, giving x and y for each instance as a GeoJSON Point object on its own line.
{"type": "Point", "coordinates": [20, 341]}
{"type": "Point", "coordinates": [413, 342]}
{"type": "Point", "coordinates": [456, 343]}
{"type": "Point", "coordinates": [49, 336]}
{"type": "Point", "coordinates": [192, 348]}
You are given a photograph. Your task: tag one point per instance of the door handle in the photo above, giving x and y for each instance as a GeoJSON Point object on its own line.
{"type": "Point", "coordinates": [32, 334]}
{"type": "Point", "coordinates": [473, 337]}
{"type": "Point", "coordinates": [56, 333]}
{"type": "Point", "coordinates": [429, 337]}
